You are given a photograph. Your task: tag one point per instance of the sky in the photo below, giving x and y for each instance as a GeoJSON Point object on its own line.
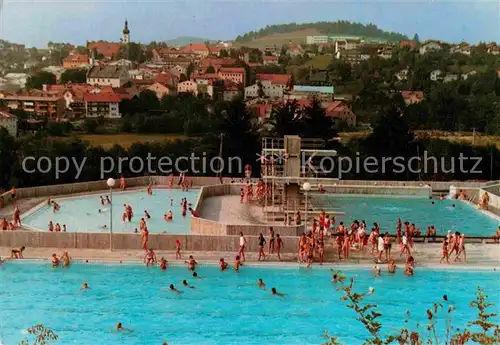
{"type": "Point", "coordinates": [36, 22]}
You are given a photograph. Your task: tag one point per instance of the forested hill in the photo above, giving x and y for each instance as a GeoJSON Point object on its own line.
{"type": "Point", "coordinates": [326, 28]}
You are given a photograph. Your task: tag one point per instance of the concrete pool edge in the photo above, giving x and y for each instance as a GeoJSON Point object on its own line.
{"type": "Point", "coordinates": [263, 265]}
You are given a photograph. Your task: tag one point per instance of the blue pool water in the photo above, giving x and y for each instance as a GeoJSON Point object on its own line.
{"type": "Point", "coordinates": [225, 307]}
{"type": "Point", "coordinates": [80, 214]}
{"type": "Point", "coordinates": [385, 210]}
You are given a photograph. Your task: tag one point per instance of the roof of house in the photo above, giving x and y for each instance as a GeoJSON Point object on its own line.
{"type": "Point", "coordinates": [165, 77]}
{"type": "Point", "coordinates": [216, 62]}
{"type": "Point", "coordinates": [108, 71]}
{"type": "Point", "coordinates": [412, 94]}
{"type": "Point", "coordinates": [411, 44]}
{"type": "Point", "coordinates": [39, 96]}
{"type": "Point", "coordinates": [270, 58]}
{"type": "Point", "coordinates": [254, 64]}
{"type": "Point", "coordinates": [103, 97]}
{"type": "Point", "coordinates": [108, 49]}
{"type": "Point", "coordinates": [431, 41]}
{"type": "Point", "coordinates": [79, 58]}
{"type": "Point", "coordinates": [232, 70]}
{"type": "Point", "coordinates": [308, 88]}
{"type": "Point", "coordinates": [195, 47]}
{"type": "Point", "coordinates": [337, 109]}
{"type": "Point", "coordinates": [6, 115]}
{"type": "Point", "coordinates": [214, 48]}
{"type": "Point", "coordinates": [278, 79]}
{"type": "Point", "coordinates": [262, 110]}
{"type": "Point", "coordinates": [204, 76]}
{"type": "Point", "coordinates": [231, 86]}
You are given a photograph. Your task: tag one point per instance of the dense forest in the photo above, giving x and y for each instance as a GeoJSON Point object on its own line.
{"type": "Point", "coordinates": [340, 27]}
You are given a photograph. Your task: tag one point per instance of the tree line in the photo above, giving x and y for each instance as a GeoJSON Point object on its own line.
{"type": "Point", "coordinates": [341, 27]}
{"type": "Point", "coordinates": [241, 135]}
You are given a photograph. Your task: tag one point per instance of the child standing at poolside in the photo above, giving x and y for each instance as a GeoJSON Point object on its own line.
{"type": "Point", "coordinates": [144, 238]}
{"type": "Point", "coordinates": [445, 255]}
{"type": "Point", "coordinates": [279, 245]}
{"type": "Point", "coordinates": [262, 242]}
{"type": "Point", "coordinates": [243, 243]}
{"type": "Point", "coordinates": [178, 249]}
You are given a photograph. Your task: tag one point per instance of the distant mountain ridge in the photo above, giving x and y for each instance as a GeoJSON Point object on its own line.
{"type": "Point", "coordinates": [183, 40]}
{"type": "Point", "coordinates": [325, 28]}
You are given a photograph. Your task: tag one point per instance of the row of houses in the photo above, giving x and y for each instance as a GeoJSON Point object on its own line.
{"type": "Point", "coordinates": [352, 43]}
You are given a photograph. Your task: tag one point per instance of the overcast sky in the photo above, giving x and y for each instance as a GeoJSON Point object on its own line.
{"type": "Point", "coordinates": [36, 22]}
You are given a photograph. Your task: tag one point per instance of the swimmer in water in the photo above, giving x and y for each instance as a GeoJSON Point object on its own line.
{"type": "Point", "coordinates": [377, 270]}
{"type": "Point", "coordinates": [276, 293]}
{"type": "Point", "coordinates": [185, 283]}
{"type": "Point", "coordinates": [195, 275]}
{"type": "Point", "coordinates": [237, 264]}
{"type": "Point", "coordinates": [191, 262]}
{"type": "Point", "coordinates": [337, 278]}
{"type": "Point", "coordinates": [392, 267]}
{"type": "Point", "coordinates": [261, 284]}
{"type": "Point", "coordinates": [173, 289]}
{"type": "Point", "coordinates": [146, 214]}
{"type": "Point", "coordinates": [445, 298]}
{"type": "Point", "coordinates": [163, 263]}
{"type": "Point", "coordinates": [85, 286]}
{"type": "Point", "coordinates": [119, 328]}
{"type": "Point", "coordinates": [168, 216]}
{"type": "Point", "coordinates": [222, 264]}
{"type": "Point", "coordinates": [66, 259]}
{"type": "Point", "coordinates": [55, 260]}
{"type": "Point", "coordinates": [371, 290]}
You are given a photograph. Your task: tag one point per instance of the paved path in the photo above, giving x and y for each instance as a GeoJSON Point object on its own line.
{"type": "Point", "coordinates": [479, 256]}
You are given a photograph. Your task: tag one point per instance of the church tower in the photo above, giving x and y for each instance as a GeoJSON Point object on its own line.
{"type": "Point", "coordinates": [125, 34]}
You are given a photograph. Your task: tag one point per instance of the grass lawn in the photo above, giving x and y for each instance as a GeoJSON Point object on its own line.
{"type": "Point", "coordinates": [320, 61]}
{"type": "Point", "coordinates": [296, 37]}
{"type": "Point", "coordinates": [127, 139]}
{"type": "Point", "coordinates": [462, 137]}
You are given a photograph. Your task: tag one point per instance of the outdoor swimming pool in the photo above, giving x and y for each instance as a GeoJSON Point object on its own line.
{"type": "Point", "coordinates": [80, 214]}
{"type": "Point", "coordinates": [225, 308]}
{"type": "Point", "coordinates": [385, 210]}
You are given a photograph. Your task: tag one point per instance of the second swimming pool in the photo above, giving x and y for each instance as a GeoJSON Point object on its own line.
{"type": "Point", "coordinates": [385, 210]}
{"type": "Point", "coordinates": [81, 214]}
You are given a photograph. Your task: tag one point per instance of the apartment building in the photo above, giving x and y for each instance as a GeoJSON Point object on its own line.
{"type": "Point", "coordinates": [105, 105]}
{"type": "Point", "coordinates": [40, 104]}
{"type": "Point", "coordinates": [9, 122]}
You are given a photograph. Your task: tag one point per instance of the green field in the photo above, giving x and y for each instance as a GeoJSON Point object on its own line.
{"type": "Point", "coordinates": [296, 37]}
{"type": "Point", "coordinates": [319, 61]}
{"type": "Point", "coordinates": [126, 140]}
{"type": "Point", "coordinates": [457, 137]}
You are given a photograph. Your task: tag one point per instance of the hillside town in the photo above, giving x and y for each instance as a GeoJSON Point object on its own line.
{"type": "Point", "coordinates": [67, 82]}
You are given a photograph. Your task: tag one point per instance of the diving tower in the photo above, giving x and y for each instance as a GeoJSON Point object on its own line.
{"type": "Point", "coordinates": [288, 163]}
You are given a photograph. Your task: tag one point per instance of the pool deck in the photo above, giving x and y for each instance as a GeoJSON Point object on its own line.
{"type": "Point", "coordinates": [426, 255]}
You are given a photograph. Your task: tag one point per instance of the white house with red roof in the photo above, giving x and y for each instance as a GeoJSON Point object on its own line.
{"type": "Point", "coordinates": [9, 122]}
{"type": "Point", "coordinates": [282, 80]}
{"type": "Point", "coordinates": [235, 74]}
{"type": "Point", "coordinates": [270, 60]}
{"type": "Point", "coordinates": [101, 104]}
{"type": "Point", "coordinates": [199, 49]}
{"type": "Point", "coordinates": [338, 110]}
{"type": "Point", "coordinates": [160, 89]}
{"type": "Point", "coordinates": [204, 79]}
